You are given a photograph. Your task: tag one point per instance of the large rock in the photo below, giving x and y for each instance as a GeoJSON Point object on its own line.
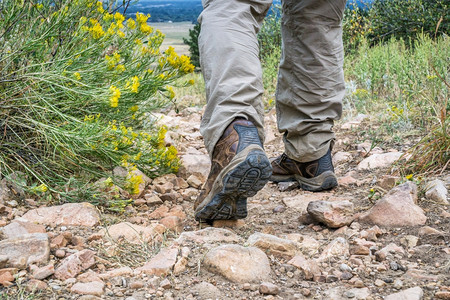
{"type": "Point", "coordinates": [273, 244]}
{"type": "Point", "coordinates": [332, 214]}
{"type": "Point", "coordinates": [132, 233]}
{"type": "Point", "coordinates": [436, 190]}
{"type": "Point", "coordinates": [414, 293]}
{"type": "Point", "coordinates": [162, 263]}
{"type": "Point", "coordinates": [207, 236]}
{"type": "Point", "coordinates": [16, 229]}
{"type": "Point", "coordinates": [27, 249]}
{"type": "Point", "coordinates": [70, 214]}
{"type": "Point", "coordinates": [238, 264]}
{"type": "Point", "coordinates": [71, 266]}
{"type": "Point", "coordinates": [375, 161]}
{"type": "Point", "coordinates": [397, 208]}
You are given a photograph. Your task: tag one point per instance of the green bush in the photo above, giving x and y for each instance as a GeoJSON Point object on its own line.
{"type": "Point", "coordinates": [407, 18]}
{"type": "Point", "coordinates": [76, 85]}
{"type": "Point", "coordinates": [269, 36]}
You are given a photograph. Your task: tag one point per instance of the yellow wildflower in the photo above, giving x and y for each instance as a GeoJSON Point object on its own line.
{"type": "Point", "coordinates": [97, 31]}
{"type": "Point", "coordinates": [171, 92]}
{"type": "Point", "coordinates": [191, 82]}
{"type": "Point", "coordinates": [135, 85]}
{"type": "Point", "coordinates": [141, 18]}
{"type": "Point", "coordinates": [41, 188]}
{"type": "Point", "coordinates": [145, 28]}
{"type": "Point", "coordinates": [39, 6]}
{"type": "Point", "coordinates": [119, 17]}
{"type": "Point", "coordinates": [107, 17]}
{"type": "Point", "coordinates": [134, 108]}
{"type": "Point", "coordinates": [83, 20]}
{"type": "Point", "coordinates": [120, 68]}
{"type": "Point", "coordinates": [114, 99]}
{"type": "Point", "coordinates": [77, 76]}
{"type": "Point", "coordinates": [100, 7]}
{"type": "Point", "coordinates": [120, 33]}
{"type": "Point", "coordinates": [131, 23]}
{"type": "Point", "coordinates": [409, 177]}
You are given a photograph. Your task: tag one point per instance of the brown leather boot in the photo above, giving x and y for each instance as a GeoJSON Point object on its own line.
{"type": "Point", "coordinates": [314, 176]}
{"type": "Point", "coordinates": [239, 169]}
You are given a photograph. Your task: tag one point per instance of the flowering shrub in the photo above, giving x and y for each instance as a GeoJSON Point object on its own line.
{"type": "Point", "coordinates": [77, 82]}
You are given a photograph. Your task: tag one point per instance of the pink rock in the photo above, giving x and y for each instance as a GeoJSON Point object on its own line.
{"type": "Point", "coordinates": [338, 247]}
{"type": "Point", "coordinates": [33, 248]}
{"type": "Point", "coordinates": [124, 271]}
{"type": "Point", "coordinates": [397, 208]}
{"type": "Point", "coordinates": [44, 272]}
{"type": "Point", "coordinates": [172, 223]}
{"type": "Point", "coordinates": [309, 267]}
{"type": "Point", "coordinates": [375, 161]}
{"type": "Point", "coordinates": [389, 249]}
{"type": "Point", "coordinates": [17, 228]}
{"type": "Point", "coordinates": [162, 263]}
{"type": "Point", "coordinates": [238, 264]}
{"type": "Point", "coordinates": [36, 285]}
{"type": "Point", "coordinates": [159, 213]}
{"type": "Point", "coordinates": [273, 244]}
{"type": "Point", "coordinates": [70, 214]}
{"type": "Point", "coordinates": [133, 233]}
{"type": "Point", "coordinates": [333, 214]}
{"type": "Point", "coordinates": [95, 288]}
{"type": "Point", "coordinates": [72, 265]}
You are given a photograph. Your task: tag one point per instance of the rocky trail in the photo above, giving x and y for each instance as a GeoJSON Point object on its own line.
{"type": "Point", "coordinates": [373, 237]}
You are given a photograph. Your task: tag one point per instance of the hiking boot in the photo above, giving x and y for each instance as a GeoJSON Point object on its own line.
{"type": "Point", "coordinates": [314, 176]}
{"type": "Point", "coordinates": [239, 169]}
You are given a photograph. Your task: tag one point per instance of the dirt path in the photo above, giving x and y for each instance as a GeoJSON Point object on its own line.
{"type": "Point", "coordinates": [279, 252]}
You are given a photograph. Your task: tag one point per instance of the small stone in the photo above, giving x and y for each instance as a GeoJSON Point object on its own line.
{"type": "Point", "coordinates": [165, 284]}
{"type": "Point", "coordinates": [135, 285]}
{"type": "Point", "coordinates": [179, 183]}
{"type": "Point", "coordinates": [309, 267]}
{"type": "Point", "coordinates": [338, 247]}
{"type": "Point", "coordinates": [169, 197]}
{"type": "Point", "coordinates": [95, 288]}
{"type": "Point", "coordinates": [164, 188]}
{"type": "Point", "coordinates": [442, 295]}
{"type": "Point", "coordinates": [267, 288]}
{"type": "Point", "coordinates": [427, 230]}
{"type": "Point", "coordinates": [375, 161]}
{"type": "Point", "coordinates": [58, 242]}
{"type": "Point", "coordinates": [398, 284]}
{"type": "Point", "coordinates": [273, 244]}
{"type": "Point", "coordinates": [195, 163]}
{"type": "Point", "coordinates": [279, 209]}
{"type": "Point", "coordinates": [152, 200]}
{"type": "Point", "coordinates": [287, 186]}
{"type": "Point", "coordinates": [332, 214]}
{"type": "Point", "coordinates": [436, 191]}
{"type": "Point", "coordinates": [346, 276]}
{"type": "Point", "coordinates": [60, 253]}
{"type": "Point", "coordinates": [349, 294]}
{"type": "Point", "coordinates": [387, 182]}
{"type": "Point", "coordinates": [172, 223]}
{"type": "Point", "coordinates": [36, 285]}
{"type": "Point", "coordinates": [305, 292]}
{"type": "Point", "coordinates": [415, 293]}
{"type": "Point", "coordinates": [237, 263]}
{"type": "Point", "coordinates": [72, 265]}
{"type": "Point", "coordinates": [206, 290]}
{"type": "Point", "coordinates": [44, 272]}
{"type": "Point", "coordinates": [344, 268]}
{"type": "Point", "coordinates": [194, 181]}
{"type": "Point", "coordinates": [162, 263]}
{"type": "Point", "coordinates": [379, 283]}
{"type": "Point", "coordinates": [6, 276]}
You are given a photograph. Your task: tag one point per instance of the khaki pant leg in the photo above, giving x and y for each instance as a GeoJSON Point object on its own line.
{"type": "Point", "coordinates": [229, 57]}
{"type": "Point", "coordinates": [310, 81]}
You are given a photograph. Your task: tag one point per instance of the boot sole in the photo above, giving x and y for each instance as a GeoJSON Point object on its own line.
{"type": "Point", "coordinates": [325, 181]}
{"type": "Point", "coordinates": [249, 175]}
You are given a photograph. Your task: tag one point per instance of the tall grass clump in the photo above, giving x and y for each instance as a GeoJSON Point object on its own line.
{"type": "Point", "coordinates": [77, 82]}
{"type": "Point", "coordinates": [407, 86]}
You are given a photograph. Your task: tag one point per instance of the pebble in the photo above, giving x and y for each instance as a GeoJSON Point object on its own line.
{"type": "Point", "coordinates": [398, 284]}
{"type": "Point", "coordinates": [349, 294]}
